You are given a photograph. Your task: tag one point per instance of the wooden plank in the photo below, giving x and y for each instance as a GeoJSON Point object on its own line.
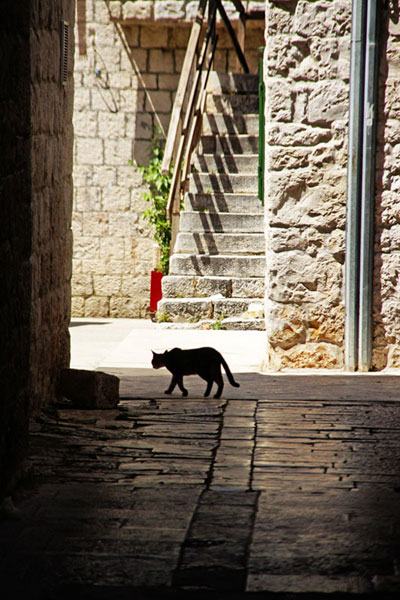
{"type": "Point", "coordinates": [182, 141]}
{"type": "Point", "coordinates": [194, 133]}
{"type": "Point", "coordinates": [177, 111]}
{"type": "Point", "coordinates": [241, 36]}
{"type": "Point", "coordinates": [191, 127]}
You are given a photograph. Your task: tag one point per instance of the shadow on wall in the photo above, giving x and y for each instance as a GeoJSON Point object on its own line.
{"type": "Point", "coordinates": [384, 267]}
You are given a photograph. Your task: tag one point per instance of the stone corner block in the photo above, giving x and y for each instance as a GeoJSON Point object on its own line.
{"type": "Point", "coordinates": [169, 10]}
{"type": "Point", "coordinates": [89, 389]}
{"type": "Point", "coordinates": [115, 9]}
{"type": "Point", "coordinates": [137, 11]}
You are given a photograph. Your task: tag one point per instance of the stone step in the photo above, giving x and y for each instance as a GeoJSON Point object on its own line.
{"type": "Point", "coordinates": [226, 163]}
{"type": "Point", "coordinates": [186, 309]}
{"type": "Point", "coordinates": [227, 203]}
{"type": "Point", "coordinates": [230, 323]}
{"type": "Point", "coordinates": [232, 183]}
{"type": "Point", "coordinates": [219, 265]}
{"type": "Point", "coordinates": [231, 103]}
{"type": "Point", "coordinates": [242, 324]}
{"type": "Point", "coordinates": [237, 123]}
{"type": "Point", "coordinates": [220, 243]}
{"type": "Point", "coordinates": [232, 82]}
{"type": "Point", "coordinates": [228, 144]}
{"type": "Point", "coordinates": [221, 222]}
{"type": "Point", "coordinates": [189, 286]}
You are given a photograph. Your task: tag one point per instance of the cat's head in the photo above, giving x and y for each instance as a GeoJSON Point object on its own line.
{"type": "Point", "coordinates": [158, 360]}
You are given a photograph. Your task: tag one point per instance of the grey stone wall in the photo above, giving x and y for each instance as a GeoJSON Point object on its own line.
{"type": "Point", "coordinates": [35, 214]}
{"type": "Point", "coordinates": [137, 49]}
{"type": "Point", "coordinates": [307, 80]}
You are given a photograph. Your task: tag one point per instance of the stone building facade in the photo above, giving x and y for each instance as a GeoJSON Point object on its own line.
{"type": "Point", "coordinates": [35, 216]}
{"type": "Point", "coordinates": [128, 61]}
{"type": "Point", "coordinates": [386, 298]}
{"type": "Point", "coordinates": [307, 66]}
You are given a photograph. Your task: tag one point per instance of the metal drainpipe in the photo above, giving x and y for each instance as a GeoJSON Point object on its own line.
{"type": "Point", "coordinates": [368, 188]}
{"type": "Point", "coordinates": [356, 104]}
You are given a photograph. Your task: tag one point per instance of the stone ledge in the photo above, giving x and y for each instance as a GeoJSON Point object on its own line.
{"type": "Point", "coordinates": [164, 11]}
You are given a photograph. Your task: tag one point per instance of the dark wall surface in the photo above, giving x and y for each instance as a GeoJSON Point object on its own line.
{"type": "Point", "coordinates": [35, 212]}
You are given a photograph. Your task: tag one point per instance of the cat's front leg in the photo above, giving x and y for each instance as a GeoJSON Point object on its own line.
{"type": "Point", "coordinates": [171, 385]}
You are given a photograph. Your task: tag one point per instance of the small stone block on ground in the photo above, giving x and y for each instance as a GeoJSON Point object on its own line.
{"type": "Point", "coordinates": [89, 389]}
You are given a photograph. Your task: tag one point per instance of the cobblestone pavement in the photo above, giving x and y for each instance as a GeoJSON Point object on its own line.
{"type": "Point", "coordinates": [287, 485]}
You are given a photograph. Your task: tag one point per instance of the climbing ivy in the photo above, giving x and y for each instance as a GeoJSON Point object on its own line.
{"type": "Point", "coordinates": [157, 196]}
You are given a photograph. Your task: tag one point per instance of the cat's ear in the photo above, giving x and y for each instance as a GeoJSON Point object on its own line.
{"type": "Point", "coordinates": [153, 353]}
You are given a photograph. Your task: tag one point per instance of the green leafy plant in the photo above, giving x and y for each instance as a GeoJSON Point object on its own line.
{"type": "Point", "coordinates": [218, 322]}
{"type": "Point", "coordinates": [163, 317]}
{"type": "Point", "coordinates": [157, 196]}
{"type": "Point", "coordinates": [193, 319]}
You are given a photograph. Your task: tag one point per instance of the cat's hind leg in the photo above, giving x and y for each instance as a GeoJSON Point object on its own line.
{"type": "Point", "coordinates": [220, 383]}
{"type": "Point", "coordinates": [208, 388]}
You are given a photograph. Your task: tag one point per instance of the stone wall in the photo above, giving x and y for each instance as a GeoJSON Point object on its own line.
{"type": "Point", "coordinates": [386, 308]}
{"type": "Point", "coordinates": [307, 65]}
{"type": "Point", "coordinates": [51, 157]}
{"type": "Point", "coordinates": [307, 82]}
{"type": "Point", "coordinates": [128, 60]}
{"type": "Point", "coordinates": [35, 215]}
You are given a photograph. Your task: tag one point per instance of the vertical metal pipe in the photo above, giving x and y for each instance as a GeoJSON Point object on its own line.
{"type": "Point", "coordinates": [356, 102]}
{"type": "Point", "coordinates": [368, 188]}
{"type": "Point", "coordinates": [261, 128]}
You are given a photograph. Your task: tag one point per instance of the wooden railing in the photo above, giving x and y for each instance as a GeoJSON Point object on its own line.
{"type": "Point", "coordinates": [189, 104]}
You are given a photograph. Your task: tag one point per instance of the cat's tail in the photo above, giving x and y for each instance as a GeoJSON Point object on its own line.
{"type": "Point", "coordinates": [228, 373]}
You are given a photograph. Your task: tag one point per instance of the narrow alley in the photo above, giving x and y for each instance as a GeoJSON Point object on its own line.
{"type": "Point", "coordinates": [287, 485]}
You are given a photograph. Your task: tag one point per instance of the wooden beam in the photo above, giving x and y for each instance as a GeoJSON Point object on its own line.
{"type": "Point", "coordinates": [241, 36]}
{"type": "Point", "coordinates": [232, 33]}
{"type": "Point", "coordinates": [81, 22]}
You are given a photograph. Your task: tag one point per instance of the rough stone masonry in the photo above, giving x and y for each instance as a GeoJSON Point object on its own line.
{"type": "Point", "coordinates": [307, 65]}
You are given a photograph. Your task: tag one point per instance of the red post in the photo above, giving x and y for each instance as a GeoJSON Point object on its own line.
{"type": "Point", "coordinates": [155, 289]}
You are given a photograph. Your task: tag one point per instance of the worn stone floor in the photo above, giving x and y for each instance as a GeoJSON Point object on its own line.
{"type": "Point", "coordinates": [285, 487]}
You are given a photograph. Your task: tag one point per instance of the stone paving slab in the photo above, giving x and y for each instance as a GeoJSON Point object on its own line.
{"type": "Point", "coordinates": [288, 485]}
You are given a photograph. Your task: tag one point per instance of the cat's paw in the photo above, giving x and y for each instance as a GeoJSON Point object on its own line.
{"type": "Point", "coordinates": [168, 392]}
{"type": "Point", "coordinates": [185, 393]}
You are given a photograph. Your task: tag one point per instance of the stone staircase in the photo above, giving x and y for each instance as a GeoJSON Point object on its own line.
{"type": "Point", "coordinates": [217, 267]}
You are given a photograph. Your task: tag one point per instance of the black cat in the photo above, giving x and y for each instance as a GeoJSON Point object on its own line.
{"type": "Point", "coordinates": [205, 362]}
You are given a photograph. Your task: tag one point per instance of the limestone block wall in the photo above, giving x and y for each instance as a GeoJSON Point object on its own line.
{"type": "Point", "coordinates": [307, 82]}
{"type": "Point", "coordinates": [128, 60]}
{"type": "Point", "coordinates": [386, 305]}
